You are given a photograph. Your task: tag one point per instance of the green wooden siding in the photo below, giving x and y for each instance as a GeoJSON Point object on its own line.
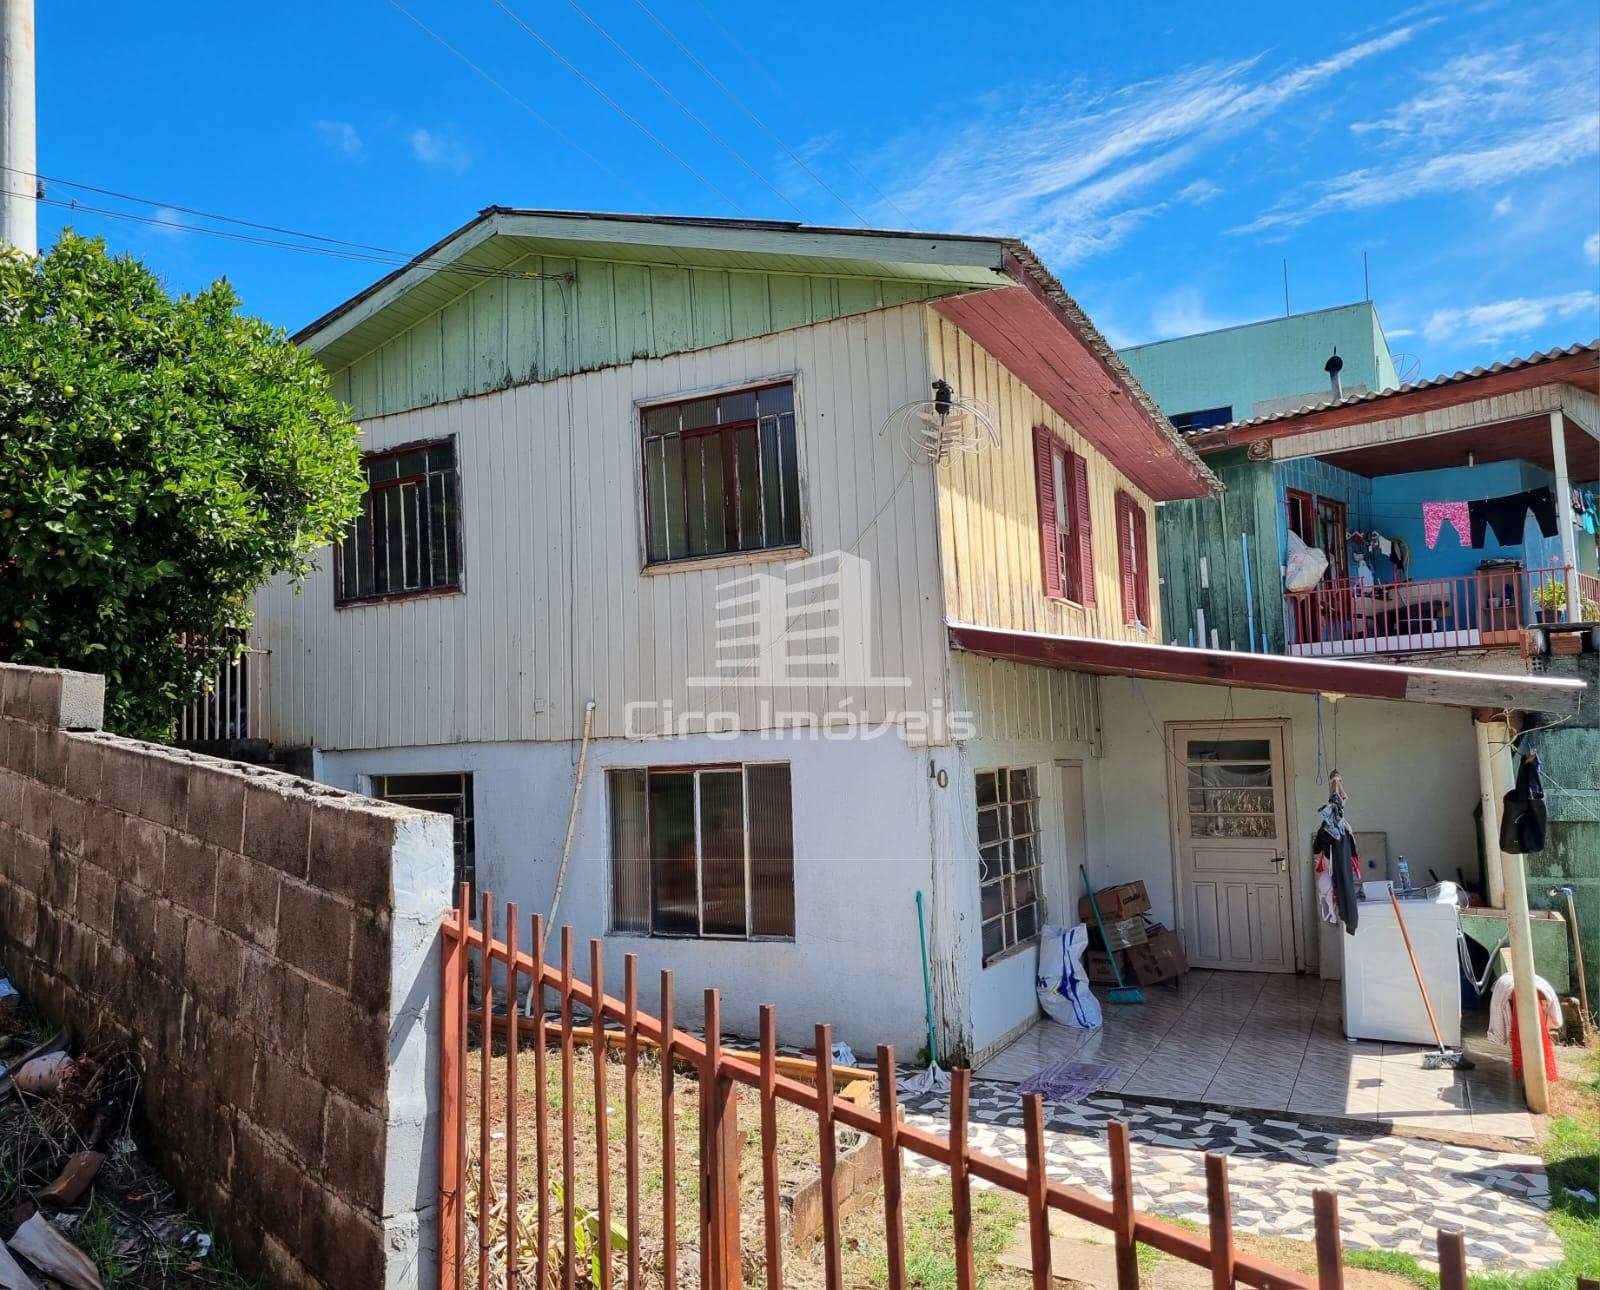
{"type": "Point", "coordinates": [506, 331]}
{"type": "Point", "coordinates": [1210, 528]}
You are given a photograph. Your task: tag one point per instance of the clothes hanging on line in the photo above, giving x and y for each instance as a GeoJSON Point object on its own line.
{"type": "Point", "coordinates": [1435, 514]}
{"type": "Point", "coordinates": [1337, 863]}
{"type": "Point", "coordinates": [1506, 516]}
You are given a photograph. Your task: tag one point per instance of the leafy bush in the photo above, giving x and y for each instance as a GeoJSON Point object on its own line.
{"type": "Point", "coordinates": [160, 458]}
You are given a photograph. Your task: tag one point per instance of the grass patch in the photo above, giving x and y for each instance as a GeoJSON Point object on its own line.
{"type": "Point", "coordinates": [1403, 1266]}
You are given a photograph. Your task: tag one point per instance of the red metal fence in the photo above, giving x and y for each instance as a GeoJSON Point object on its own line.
{"type": "Point", "coordinates": [568, 1250]}
{"type": "Point", "coordinates": [1345, 616]}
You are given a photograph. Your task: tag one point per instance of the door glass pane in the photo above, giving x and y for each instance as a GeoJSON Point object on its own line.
{"type": "Point", "coordinates": [1233, 826]}
{"type": "Point", "coordinates": [674, 894]}
{"type": "Point", "coordinates": [1230, 750]}
{"type": "Point", "coordinates": [771, 851]}
{"type": "Point", "coordinates": [722, 853]}
{"type": "Point", "coordinates": [1231, 799]}
{"type": "Point", "coordinates": [1229, 775]}
{"type": "Point", "coordinates": [630, 853]}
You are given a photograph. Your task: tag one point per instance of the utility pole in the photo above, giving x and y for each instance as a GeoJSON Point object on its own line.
{"type": "Point", "coordinates": [19, 211]}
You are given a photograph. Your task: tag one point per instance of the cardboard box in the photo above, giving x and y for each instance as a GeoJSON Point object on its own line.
{"type": "Point", "coordinates": [1115, 903]}
{"type": "Point", "coordinates": [1098, 965]}
{"type": "Point", "coordinates": [1125, 932]}
{"type": "Point", "coordinates": [1160, 958]}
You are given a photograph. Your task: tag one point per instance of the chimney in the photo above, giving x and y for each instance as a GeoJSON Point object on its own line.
{"type": "Point", "coordinates": [1333, 367]}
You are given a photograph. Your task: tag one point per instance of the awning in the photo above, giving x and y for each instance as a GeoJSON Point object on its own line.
{"type": "Point", "coordinates": [1399, 682]}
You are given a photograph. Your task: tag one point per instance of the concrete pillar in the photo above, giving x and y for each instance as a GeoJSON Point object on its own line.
{"type": "Point", "coordinates": [1530, 1024]}
{"type": "Point", "coordinates": [19, 213]}
{"type": "Point", "coordinates": [1564, 523]}
{"type": "Point", "coordinates": [1494, 881]}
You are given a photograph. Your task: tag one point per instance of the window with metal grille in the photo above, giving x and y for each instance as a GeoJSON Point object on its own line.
{"type": "Point", "coordinates": [406, 541]}
{"type": "Point", "coordinates": [721, 474]}
{"type": "Point", "coordinates": [1009, 863]}
{"type": "Point", "coordinates": [703, 851]}
{"type": "Point", "coordinates": [448, 794]}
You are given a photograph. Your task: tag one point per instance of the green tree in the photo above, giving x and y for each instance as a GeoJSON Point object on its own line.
{"type": "Point", "coordinates": [160, 458]}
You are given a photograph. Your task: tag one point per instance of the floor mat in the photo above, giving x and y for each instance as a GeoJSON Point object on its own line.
{"type": "Point", "coordinates": [1068, 1081]}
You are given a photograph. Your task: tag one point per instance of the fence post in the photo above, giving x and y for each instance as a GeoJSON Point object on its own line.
{"type": "Point", "coordinates": [960, 1183]}
{"type": "Point", "coordinates": [485, 1101]}
{"type": "Point", "coordinates": [1452, 1261]}
{"type": "Point", "coordinates": [597, 1039]}
{"type": "Point", "coordinates": [769, 1147]}
{"type": "Point", "coordinates": [833, 1274]}
{"type": "Point", "coordinates": [1219, 1203]}
{"type": "Point", "coordinates": [1122, 1205]}
{"type": "Point", "coordinates": [1330, 1261]}
{"type": "Point", "coordinates": [1038, 1205]}
{"type": "Point", "coordinates": [889, 1133]}
{"type": "Point", "coordinates": [719, 1162]}
{"type": "Point", "coordinates": [452, 1111]}
{"type": "Point", "coordinates": [513, 1043]}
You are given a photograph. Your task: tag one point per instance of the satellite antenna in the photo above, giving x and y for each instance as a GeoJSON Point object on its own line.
{"type": "Point", "coordinates": [932, 431]}
{"type": "Point", "coordinates": [1407, 367]}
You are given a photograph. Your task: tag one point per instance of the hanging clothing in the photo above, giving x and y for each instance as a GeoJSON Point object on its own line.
{"type": "Point", "coordinates": [1478, 522]}
{"type": "Point", "coordinates": [1506, 515]}
{"type": "Point", "coordinates": [1522, 817]}
{"type": "Point", "coordinates": [1382, 545]}
{"type": "Point", "coordinates": [1435, 514]}
{"type": "Point", "coordinates": [1400, 553]}
{"type": "Point", "coordinates": [1590, 522]}
{"type": "Point", "coordinates": [1336, 847]}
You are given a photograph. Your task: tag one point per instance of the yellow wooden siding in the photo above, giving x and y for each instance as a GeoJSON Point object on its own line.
{"type": "Point", "coordinates": [989, 511]}
{"type": "Point", "coordinates": [1020, 702]}
{"type": "Point", "coordinates": [556, 609]}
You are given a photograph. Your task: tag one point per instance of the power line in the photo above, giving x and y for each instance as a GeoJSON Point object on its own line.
{"type": "Point", "coordinates": [740, 104]}
{"type": "Point", "coordinates": [613, 104]}
{"type": "Point", "coordinates": [784, 94]}
{"type": "Point", "coordinates": [684, 108]}
{"type": "Point", "coordinates": [534, 113]}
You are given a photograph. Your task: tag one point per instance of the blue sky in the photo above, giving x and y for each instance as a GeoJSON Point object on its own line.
{"type": "Point", "coordinates": [1164, 158]}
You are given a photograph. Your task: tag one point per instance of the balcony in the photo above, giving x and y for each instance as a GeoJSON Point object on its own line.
{"type": "Point", "coordinates": [1488, 609]}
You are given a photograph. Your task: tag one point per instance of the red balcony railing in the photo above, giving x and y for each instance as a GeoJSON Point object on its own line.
{"type": "Point", "coordinates": [1489, 608]}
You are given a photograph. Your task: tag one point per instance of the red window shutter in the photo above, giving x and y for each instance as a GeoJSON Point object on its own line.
{"type": "Point", "coordinates": [1083, 549]}
{"type": "Point", "coordinates": [1125, 558]}
{"type": "Point", "coordinates": [1049, 537]}
{"type": "Point", "coordinates": [1141, 547]}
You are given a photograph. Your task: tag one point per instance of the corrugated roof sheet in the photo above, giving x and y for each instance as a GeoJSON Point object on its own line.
{"type": "Point", "coordinates": [1374, 396]}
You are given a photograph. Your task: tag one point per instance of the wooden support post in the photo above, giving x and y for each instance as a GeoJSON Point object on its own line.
{"type": "Point", "coordinates": [513, 1043]}
{"type": "Point", "coordinates": [1452, 1261]}
{"type": "Point", "coordinates": [1219, 1205]}
{"type": "Point", "coordinates": [827, 1148]}
{"type": "Point", "coordinates": [772, 1218]}
{"type": "Point", "coordinates": [1530, 1017]}
{"type": "Point", "coordinates": [602, 1147]}
{"type": "Point", "coordinates": [1330, 1257]}
{"type": "Point", "coordinates": [1122, 1210]}
{"type": "Point", "coordinates": [719, 1162]}
{"type": "Point", "coordinates": [1038, 1204]}
{"type": "Point", "coordinates": [894, 1228]}
{"type": "Point", "coordinates": [630, 1110]}
{"type": "Point", "coordinates": [569, 1198]}
{"type": "Point", "coordinates": [1564, 522]}
{"type": "Point", "coordinates": [541, 1115]}
{"type": "Point", "coordinates": [669, 1140]}
{"type": "Point", "coordinates": [485, 1102]}
{"type": "Point", "coordinates": [960, 1178]}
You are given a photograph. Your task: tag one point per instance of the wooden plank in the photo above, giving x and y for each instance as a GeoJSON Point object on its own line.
{"type": "Point", "coordinates": [960, 1178]}
{"type": "Point", "coordinates": [669, 1138]}
{"type": "Point", "coordinates": [827, 1161]}
{"type": "Point", "coordinates": [1038, 1206]}
{"type": "Point", "coordinates": [1219, 1207]}
{"type": "Point", "coordinates": [513, 1109]}
{"type": "Point", "coordinates": [569, 1194]}
{"type": "Point", "coordinates": [1330, 1258]}
{"type": "Point", "coordinates": [721, 1262]}
{"type": "Point", "coordinates": [894, 1226]}
{"type": "Point", "coordinates": [452, 1106]}
{"type": "Point", "coordinates": [773, 1222]}
{"type": "Point", "coordinates": [485, 1101]}
{"type": "Point", "coordinates": [602, 1147]}
{"type": "Point", "coordinates": [541, 1249]}
{"type": "Point", "coordinates": [630, 1059]}
{"type": "Point", "coordinates": [1123, 1212]}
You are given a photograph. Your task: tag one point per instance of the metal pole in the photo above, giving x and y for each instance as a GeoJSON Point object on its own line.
{"type": "Point", "coordinates": [1569, 546]}
{"type": "Point", "coordinates": [19, 214]}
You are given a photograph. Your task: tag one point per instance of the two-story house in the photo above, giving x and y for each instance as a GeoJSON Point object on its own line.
{"type": "Point", "coordinates": [745, 590]}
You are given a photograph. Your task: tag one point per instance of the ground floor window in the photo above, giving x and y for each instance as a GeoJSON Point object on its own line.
{"type": "Point", "coordinates": [449, 794]}
{"type": "Point", "coordinates": [1008, 858]}
{"type": "Point", "coordinates": [702, 851]}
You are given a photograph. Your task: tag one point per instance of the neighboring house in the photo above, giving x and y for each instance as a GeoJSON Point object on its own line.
{"type": "Point", "coordinates": [769, 574]}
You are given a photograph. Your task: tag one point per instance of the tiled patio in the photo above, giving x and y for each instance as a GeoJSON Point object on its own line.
{"type": "Point", "coordinates": [1271, 1042]}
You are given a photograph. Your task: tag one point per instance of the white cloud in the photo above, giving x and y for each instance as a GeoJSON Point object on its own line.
{"type": "Point", "coordinates": [1479, 120]}
{"type": "Point", "coordinates": [1507, 319]}
{"type": "Point", "coordinates": [438, 148]}
{"type": "Point", "coordinates": [1077, 169]}
{"type": "Point", "coordinates": [1183, 312]}
{"type": "Point", "coordinates": [1399, 333]}
{"type": "Point", "coordinates": [342, 137]}
{"type": "Point", "coordinates": [170, 223]}
{"type": "Point", "coordinates": [1591, 248]}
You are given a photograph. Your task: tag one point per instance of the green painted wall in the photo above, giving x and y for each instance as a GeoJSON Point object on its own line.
{"type": "Point", "coordinates": [1241, 367]}
{"type": "Point", "coordinates": [1210, 528]}
{"type": "Point", "coordinates": [507, 331]}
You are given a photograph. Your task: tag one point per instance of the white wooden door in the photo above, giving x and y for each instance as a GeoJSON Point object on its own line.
{"type": "Point", "coordinates": [1230, 809]}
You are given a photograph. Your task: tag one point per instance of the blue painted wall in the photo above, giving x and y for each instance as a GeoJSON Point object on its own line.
{"type": "Point", "coordinates": [1278, 359]}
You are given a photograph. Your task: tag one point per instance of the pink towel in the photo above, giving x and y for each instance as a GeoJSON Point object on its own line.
{"type": "Point", "coordinates": [1453, 513]}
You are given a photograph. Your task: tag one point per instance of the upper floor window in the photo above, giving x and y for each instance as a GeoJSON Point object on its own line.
{"type": "Point", "coordinates": [702, 851]}
{"type": "Point", "coordinates": [406, 540]}
{"type": "Point", "coordinates": [1320, 523]}
{"type": "Point", "coordinates": [721, 474]}
{"type": "Point", "coordinates": [1133, 561]}
{"type": "Point", "coordinates": [1204, 419]}
{"type": "Point", "coordinates": [1066, 538]}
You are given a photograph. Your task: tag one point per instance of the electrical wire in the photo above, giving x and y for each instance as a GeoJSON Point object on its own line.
{"type": "Point", "coordinates": [534, 113]}
{"type": "Point", "coordinates": [740, 104]}
{"type": "Point", "coordinates": [613, 104]}
{"type": "Point", "coordinates": [684, 108]}
{"type": "Point", "coordinates": [788, 98]}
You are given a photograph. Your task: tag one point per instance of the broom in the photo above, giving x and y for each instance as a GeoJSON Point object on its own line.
{"type": "Point", "coordinates": [1119, 993]}
{"type": "Point", "coordinates": [1454, 1059]}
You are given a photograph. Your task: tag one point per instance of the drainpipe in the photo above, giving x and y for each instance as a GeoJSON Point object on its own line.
{"type": "Point", "coordinates": [1569, 546]}
{"type": "Point", "coordinates": [1494, 877]}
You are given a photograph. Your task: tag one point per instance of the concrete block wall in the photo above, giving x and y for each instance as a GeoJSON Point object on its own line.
{"type": "Point", "coordinates": [268, 946]}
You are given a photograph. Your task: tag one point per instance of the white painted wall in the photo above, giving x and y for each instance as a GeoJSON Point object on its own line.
{"type": "Point", "coordinates": [557, 608]}
{"type": "Point", "coordinates": [862, 845]}
{"type": "Point", "coordinates": [1410, 770]}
